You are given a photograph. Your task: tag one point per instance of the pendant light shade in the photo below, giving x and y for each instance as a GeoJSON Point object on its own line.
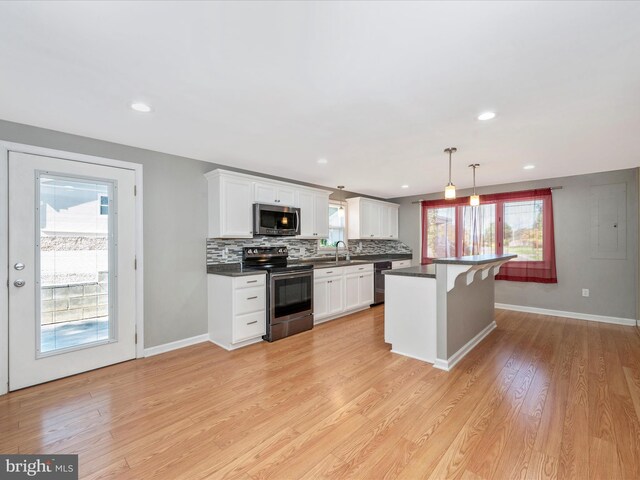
{"type": "Point", "coordinates": [474, 200]}
{"type": "Point", "coordinates": [450, 189]}
{"type": "Point", "coordinates": [341, 209]}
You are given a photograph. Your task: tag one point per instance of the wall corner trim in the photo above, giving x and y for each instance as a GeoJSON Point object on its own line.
{"type": "Point", "coordinates": [453, 360]}
{"type": "Point", "coordinates": [167, 347]}
{"type": "Point", "coordinates": [629, 322]}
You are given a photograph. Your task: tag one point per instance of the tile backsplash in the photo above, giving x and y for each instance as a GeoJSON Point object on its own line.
{"type": "Point", "coordinates": [230, 250]}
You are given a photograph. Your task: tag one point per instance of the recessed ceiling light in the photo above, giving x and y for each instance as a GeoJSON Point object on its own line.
{"type": "Point", "coordinates": [529, 167]}
{"type": "Point", "coordinates": [404, 186]}
{"type": "Point", "coordinates": [486, 116]}
{"type": "Point", "coordinates": [322, 161]}
{"type": "Point", "coordinates": [140, 107]}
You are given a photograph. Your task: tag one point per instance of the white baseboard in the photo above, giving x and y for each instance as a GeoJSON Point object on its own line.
{"type": "Point", "coordinates": [340, 315]}
{"type": "Point", "coordinates": [447, 365]}
{"type": "Point", "coordinates": [235, 346]}
{"type": "Point", "coordinates": [167, 347]}
{"type": "Point", "coordinates": [629, 322]}
{"type": "Point", "coordinates": [428, 360]}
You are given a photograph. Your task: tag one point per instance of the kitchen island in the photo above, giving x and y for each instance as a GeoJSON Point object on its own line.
{"type": "Point", "coordinates": [437, 313]}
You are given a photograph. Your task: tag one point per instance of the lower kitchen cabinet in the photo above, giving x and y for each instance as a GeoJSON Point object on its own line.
{"type": "Point", "coordinates": [338, 291]}
{"type": "Point", "coordinates": [328, 297]}
{"type": "Point", "coordinates": [237, 309]}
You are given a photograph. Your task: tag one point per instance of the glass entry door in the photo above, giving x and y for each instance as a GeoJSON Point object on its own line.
{"type": "Point", "coordinates": [72, 274]}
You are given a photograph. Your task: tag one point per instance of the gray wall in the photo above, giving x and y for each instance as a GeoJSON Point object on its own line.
{"type": "Point", "coordinates": [175, 228]}
{"type": "Point", "coordinates": [469, 309]}
{"type": "Point", "coordinates": [612, 283]}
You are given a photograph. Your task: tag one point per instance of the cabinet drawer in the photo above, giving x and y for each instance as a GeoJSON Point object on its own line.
{"type": "Point", "coordinates": [367, 267]}
{"type": "Point", "coordinates": [249, 300]}
{"type": "Point", "coordinates": [248, 326]}
{"type": "Point", "coordinates": [249, 281]}
{"type": "Point", "coordinates": [328, 272]}
{"type": "Point", "coordinates": [401, 264]}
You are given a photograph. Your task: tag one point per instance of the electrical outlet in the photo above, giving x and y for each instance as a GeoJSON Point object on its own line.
{"type": "Point", "coordinates": [585, 292]}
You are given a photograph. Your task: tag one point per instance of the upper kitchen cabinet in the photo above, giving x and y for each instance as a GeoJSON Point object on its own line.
{"type": "Point", "coordinates": [314, 214]}
{"type": "Point", "coordinates": [276, 194]}
{"type": "Point", "coordinates": [372, 219]}
{"type": "Point", "coordinates": [232, 195]}
{"type": "Point", "coordinates": [230, 205]}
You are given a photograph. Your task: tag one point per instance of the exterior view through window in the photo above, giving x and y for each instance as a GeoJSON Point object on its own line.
{"type": "Point", "coordinates": [74, 262]}
{"type": "Point", "coordinates": [337, 214]}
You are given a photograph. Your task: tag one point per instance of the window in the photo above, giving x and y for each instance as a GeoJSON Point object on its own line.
{"type": "Point", "coordinates": [104, 205]}
{"type": "Point", "coordinates": [337, 215]}
{"type": "Point", "coordinates": [442, 232]}
{"type": "Point", "coordinates": [518, 223]}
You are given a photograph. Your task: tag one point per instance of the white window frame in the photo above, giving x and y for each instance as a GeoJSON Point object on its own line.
{"type": "Point", "coordinates": [325, 249]}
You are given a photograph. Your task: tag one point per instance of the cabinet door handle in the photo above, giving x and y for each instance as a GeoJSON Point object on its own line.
{"type": "Point", "coordinates": [329, 272]}
{"type": "Point", "coordinates": [252, 281]}
{"type": "Point", "coordinates": [252, 298]}
{"type": "Point", "coordinates": [330, 281]}
{"type": "Point", "coordinates": [361, 276]}
{"type": "Point", "coordinates": [361, 268]}
{"type": "Point", "coordinates": [251, 323]}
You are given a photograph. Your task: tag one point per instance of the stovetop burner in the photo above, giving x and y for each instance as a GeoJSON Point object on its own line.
{"type": "Point", "coordinates": [271, 259]}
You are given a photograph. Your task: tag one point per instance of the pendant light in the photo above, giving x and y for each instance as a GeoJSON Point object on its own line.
{"type": "Point", "coordinates": [450, 189]}
{"type": "Point", "coordinates": [341, 196]}
{"type": "Point", "coordinates": [474, 200]}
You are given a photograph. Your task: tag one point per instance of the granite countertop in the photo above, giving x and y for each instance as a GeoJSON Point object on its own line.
{"type": "Point", "coordinates": [427, 271]}
{"type": "Point", "coordinates": [236, 270]}
{"type": "Point", "coordinates": [473, 259]}
{"type": "Point", "coordinates": [329, 261]}
{"type": "Point", "coordinates": [232, 270]}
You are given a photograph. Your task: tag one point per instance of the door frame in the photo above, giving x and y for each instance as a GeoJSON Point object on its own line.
{"type": "Point", "coordinates": [5, 148]}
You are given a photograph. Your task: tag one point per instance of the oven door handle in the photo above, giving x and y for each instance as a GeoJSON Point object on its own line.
{"type": "Point", "coordinates": [291, 274]}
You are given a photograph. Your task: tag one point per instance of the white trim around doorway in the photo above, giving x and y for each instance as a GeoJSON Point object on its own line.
{"type": "Point", "coordinates": [5, 148]}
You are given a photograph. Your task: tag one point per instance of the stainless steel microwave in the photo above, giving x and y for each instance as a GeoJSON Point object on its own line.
{"type": "Point", "coordinates": [275, 220]}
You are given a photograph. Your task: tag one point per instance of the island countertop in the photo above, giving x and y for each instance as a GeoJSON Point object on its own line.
{"type": "Point", "coordinates": [428, 271]}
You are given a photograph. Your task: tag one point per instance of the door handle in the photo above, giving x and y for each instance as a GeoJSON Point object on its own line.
{"type": "Point", "coordinates": [19, 283]}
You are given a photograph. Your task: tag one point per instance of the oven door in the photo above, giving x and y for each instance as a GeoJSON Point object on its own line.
{"type": "Point", "coordinates": [291, 296]}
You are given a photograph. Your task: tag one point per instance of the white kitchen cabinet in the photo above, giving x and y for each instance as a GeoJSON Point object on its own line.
{"type": "Point", "coordinates": [274, 194]}
{"type": "Point", "coordinates": [237, 309]}
{"type": "Point", "coordinates": [328, 296]}
{"type": "Point", "coordinates": [372, 219]}
{"type": "Point", "coordinates": [359, 290]}
{"type": "Point", "coordinates": [400, 264]}
{"type": "Point", "coordinates": [343, 290]}
{"type": "Point", "coordinates": [352, 290]}
{"type": "Point", "coordinates": [232, 195]}
{"type": "Point", "coordinates": [365, 289]}
{"type": "Point", "coordinates": [230, 206]}
{"type": "Point", "coordinates": [314, 214]}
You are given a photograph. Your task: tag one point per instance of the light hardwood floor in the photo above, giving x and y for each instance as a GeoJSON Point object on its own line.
{"type": "Point", "coordinates": [540, 397]}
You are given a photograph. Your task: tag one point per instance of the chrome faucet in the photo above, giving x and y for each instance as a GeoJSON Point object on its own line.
{"type": "Point", "coordinates": [348, 257]}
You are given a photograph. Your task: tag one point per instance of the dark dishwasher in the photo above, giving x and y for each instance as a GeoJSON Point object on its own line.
{"type": "Point", "coordinates": [378, 288]}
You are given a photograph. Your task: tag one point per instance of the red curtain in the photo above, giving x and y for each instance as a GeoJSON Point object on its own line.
{"type": "Point", "coordinates": [523, 225]}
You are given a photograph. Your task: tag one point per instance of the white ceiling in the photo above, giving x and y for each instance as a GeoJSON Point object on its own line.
{"type": "Point", "coordinates": [378, 89]}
